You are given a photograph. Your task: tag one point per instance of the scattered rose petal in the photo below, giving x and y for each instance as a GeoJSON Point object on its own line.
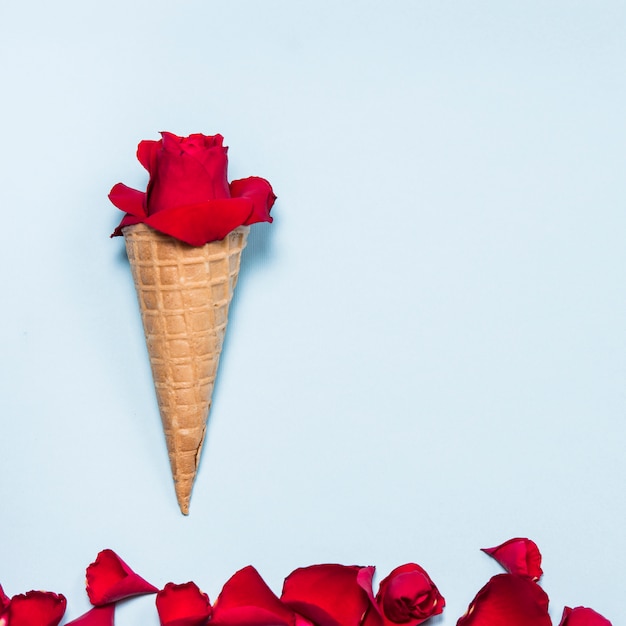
{"type": "Point", "coordinates": [98, 616]}
{"type": "Point", "coordinates": [246, 600]}
{"type": "Point", "coordinates": [582, 616]}
{"type": "Point", "coordinates": [36, 608]}
{"type": "Point", "coordinates": [109, 579]}
{"type": "Point", "coordinates": [510, 600]}
{"type": "Point", "coordinates": [409, 596]}
{"type": "Point", "coordinates": [183, 605]}
{"type": "Point", "coordinates": [328, 595]}
{"type": "Point", "coordinates": [518, 556]}
{"type": "Point", "coordinates": [4, 600]}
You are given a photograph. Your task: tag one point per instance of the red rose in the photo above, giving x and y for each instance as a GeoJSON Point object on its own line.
{"type": "Point", "coordinates": [408, 596]}
{"type": "Point", "coordinates": [188, 195]}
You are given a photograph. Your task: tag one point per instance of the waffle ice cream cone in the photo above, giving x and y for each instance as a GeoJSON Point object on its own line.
{"type": "Point", "coordinates": [184, 294]}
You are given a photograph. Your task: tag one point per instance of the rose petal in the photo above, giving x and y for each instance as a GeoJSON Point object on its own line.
{"type": "Point", "coordinates": [128, 199]}
{"type": "Point", "coordinates": [328, 595]}
{"type": "Point", "coordinates": [183, 605]}
{"type": "Point", "coordinates": [518, 556]}
{"type": "Point", "coordinates": [109, 579]}
{"type": "Point", "coordinates": [127, 220]}
{"type": "Point", "coordinates": [246, 600]}
{"type": "Point", "coordinates": [98, 616]}
{"type": "Point", "coordinates": [508, 599]}
{"type": "Point", "coordinates": [147, 153]}
{"type": "Point", "coordinates": [409, 596]}
{"type": "Point", "coordinates": [36, 608]}
{"type": "Point", "coordinates": [200, 223]}
{"type": "Point", "coordinates": [260, 192]}
{"type": "Point", "coordinates": [582, 616]}
{"type": "Point", "coordinates": [365, 580]}
{"type": "Point", "coordinates": [4, 600]}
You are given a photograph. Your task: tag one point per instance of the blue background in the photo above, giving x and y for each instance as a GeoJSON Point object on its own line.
{"type": "Point", "coordinates": [427, 349]}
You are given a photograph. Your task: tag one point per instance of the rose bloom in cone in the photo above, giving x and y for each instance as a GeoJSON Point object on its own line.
{"type": "Point", "coordinates": [184, 237]}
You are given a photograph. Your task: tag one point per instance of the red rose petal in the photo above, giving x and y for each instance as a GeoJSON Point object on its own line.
{"type": "Point", "coordinates": [328, 595]}
{"type": "Point", "coordinates": [109, 579]}
{"type": "Point", "coordinates": [260, 192]}
{"type": "Point", "coordinates": [409, 596]}
{"type": "Point", "coordinates": [128, 199]}
{"type": "Point", "coordinates": [147, 153]}
{"type": "Point", "coordinates": [4, 600]}
{"type": "Point", "coordinates": [582, 616]}
{"type": "Point", "coordinates": [509, 600]}
{"type": "Point", "coordinates": [98, 616]}
{"type": "Point", "coordinates": [246, 600]}
{"type": "Point", "coordinates": [36, 608]}
{"type": "Point", "coordinates": [200, 223]}
{"type": "Point", "coordinates": [183, 605]}
{"type": "Point", "coordinates": [518, 556]}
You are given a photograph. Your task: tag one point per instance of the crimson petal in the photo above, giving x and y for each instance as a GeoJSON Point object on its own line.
{"type": "Point", "coordinates": [198, 224]}
{"type": "Point", "coordinates": [98, 616]}
{"type": "Point", "coordinates": [109, 579]}
{"type": "Point", "coordinates": [508, 599]}
{"type": "Point", "coordinates": [518, 556]}
{"type": "Point", "coordinates": [146, 153]}
{"type": "Point", "coordinates": [36, 608]}
{"type": "Point", "coordinates": [4, 600]}
{"type": "Point", "coordinates": [183, 605]}
{"type": "Point", "coordinates": [409, 596]}
{"type": "Point", "coordinates": [246, 600]}
{"type": "Point", "coordinates": [328, 595]}
{"type": "Point", "coordinates": [260, 192]}
{"type": "Point", "coordinates": [128, 199]}
{"type": "Point", "coordinates": [582, 616]}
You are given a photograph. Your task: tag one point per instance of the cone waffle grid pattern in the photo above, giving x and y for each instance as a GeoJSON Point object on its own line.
{"type": "Point", "coordinates": [184, 294]}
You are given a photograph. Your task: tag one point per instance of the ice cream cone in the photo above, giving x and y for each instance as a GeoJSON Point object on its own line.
{"type": "Point", "coordinates": [184, 294]}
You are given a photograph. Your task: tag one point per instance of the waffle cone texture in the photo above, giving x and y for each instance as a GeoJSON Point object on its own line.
{"type": "Point", "coordinates": [184, 294]}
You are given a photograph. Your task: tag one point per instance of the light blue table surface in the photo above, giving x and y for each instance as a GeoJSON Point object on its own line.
{"type": "Point", "coordinates": [427, 349]}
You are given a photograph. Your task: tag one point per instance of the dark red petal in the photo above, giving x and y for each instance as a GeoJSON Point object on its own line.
{"type": "Point", "coordinates": [109, 579]}
{"type": "Point", "coordinates": [518, 556]}
{"type": "Point", "coordinates": [127, 220]}
{"type": "Point", "coordinates": [128, 199]}
{"type": "Point", "coordinates": [509, 600]}
{"type": "Point", "coordinates": [200, 223]}
{"type": "Point", "coordinates": [582, 616]}
{"type": "Point", "coordinates": [246, 600]}
{"type": "Point", "coordinates": [98, 616]}
{"type": "Point", "coordinates": [365, 579]}
{"type": "Point", "coordinates": [4, 600]}
{"type": "Point", "coordinates": [183, 605]}
{"type": "Point", "coordinates": [147, 153]}
{"type": "Point", "coordinates": [328, 595]}
{"type": "Point", "coordinates": [260, 192]}
{"type": "Point", "coordinates": [409, 596]}
{"type": "Point", "coordinates": [36, 608]}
